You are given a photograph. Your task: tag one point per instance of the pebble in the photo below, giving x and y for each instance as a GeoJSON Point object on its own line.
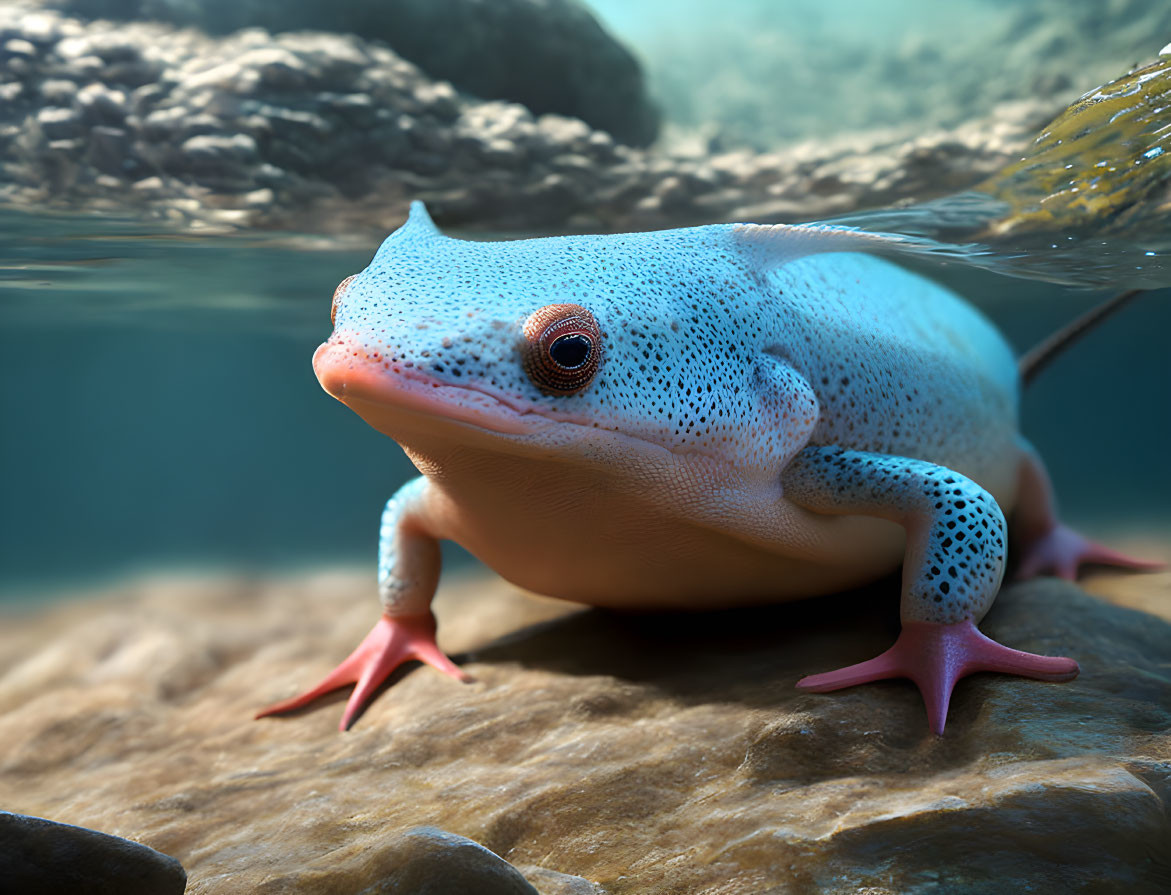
{"type": "Point", "coordinates": [19, 47]}
{"type": "Point", "coordinates": [59, 123]}
{"type": "Point", "coordinates": [99, 104]}
{"type": "Point", "coordinates": [58, 91]}
{"type": "Point", "coordinates": [430, 861]}
{"type": "Point", "coordinates": [220, 149]}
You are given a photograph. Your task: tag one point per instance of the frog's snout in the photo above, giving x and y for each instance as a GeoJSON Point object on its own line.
{"type": "Point", "coordinates": [326, 368]}
{"type": "Point", "coordinates": [337, 362]}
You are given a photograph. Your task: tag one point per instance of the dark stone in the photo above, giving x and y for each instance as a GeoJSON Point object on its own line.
{"type": "Point", "coordinates": [44, 857]}
{"type": "Point", "coordinates": [99, 105]}
{"type": "Point", "coordinates": [550, 55]}
{"type": "Point", "coordinates": [60, 123]}
{"type": "Point", "coordinates": [110, 152]}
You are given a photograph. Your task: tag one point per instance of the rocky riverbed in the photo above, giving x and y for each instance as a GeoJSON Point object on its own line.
{"type": "Point", "coordinates": [326, 132]}
{"type": "Point", "coordinates": [596, 752]}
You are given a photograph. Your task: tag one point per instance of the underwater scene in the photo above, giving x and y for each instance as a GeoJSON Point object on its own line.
{"type": "Point", "coordinates": [563, 447]}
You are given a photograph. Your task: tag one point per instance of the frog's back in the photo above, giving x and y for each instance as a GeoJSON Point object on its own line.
{"type": "Point", "coordinates": [901, 365]}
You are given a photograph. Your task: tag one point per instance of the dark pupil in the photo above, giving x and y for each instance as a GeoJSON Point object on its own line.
{"type": "Point", "coordinates": [570, 351]}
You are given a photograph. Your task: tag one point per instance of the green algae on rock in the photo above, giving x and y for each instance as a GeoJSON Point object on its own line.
{"type": "Point", "coordinates": [1101, 164]}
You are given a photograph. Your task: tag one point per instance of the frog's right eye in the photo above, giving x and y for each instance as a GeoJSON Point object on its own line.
{"type": "Point", "coordinates": [563, 346]}
{"type": "Point", "coordinates": [337, 293]}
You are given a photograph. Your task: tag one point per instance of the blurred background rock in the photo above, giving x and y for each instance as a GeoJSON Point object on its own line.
{"type": "Point", "coordinates": [534, 114]}
{"type": "Point", "coordinates": [550, 55]}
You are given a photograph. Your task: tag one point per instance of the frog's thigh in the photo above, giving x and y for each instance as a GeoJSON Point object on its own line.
{"type": "Point", "coordinates": [956, 533]}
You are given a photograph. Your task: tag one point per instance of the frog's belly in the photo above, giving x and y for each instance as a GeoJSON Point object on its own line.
{"type": "Point", "coordinates": [681, 569]}
{"type": "Point", "coordinates": [553, 530]}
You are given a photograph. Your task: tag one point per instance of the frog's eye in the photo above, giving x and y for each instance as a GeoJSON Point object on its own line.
{"type": "Point", "coordinates": [337, 293]}
{"type": "Point", "coordinates": [562, 350]}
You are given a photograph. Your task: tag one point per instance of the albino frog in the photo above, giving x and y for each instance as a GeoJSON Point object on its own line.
{"type": "Point", "coordinates": [697, 418]}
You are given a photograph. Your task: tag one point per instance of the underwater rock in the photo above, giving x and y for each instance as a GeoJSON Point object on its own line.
{"type": "Point", "coordinates": [595, 751]}
{"type": "Point", "coordinates": [44, 857]}
{"type": "Point", "coordinates": [550, 55]}
{"type": "Point", "coordinates": [322, 132]}
{"type": "Point", "coordinates": [427, 861]}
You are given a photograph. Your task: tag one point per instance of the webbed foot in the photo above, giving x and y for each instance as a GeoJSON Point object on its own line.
{"type": "Point", "coordinates": [393, 641]}
{"type": "Point", "coordinates": [1063, 552]}
{"type": "Point", "coordinates": [935, 656]}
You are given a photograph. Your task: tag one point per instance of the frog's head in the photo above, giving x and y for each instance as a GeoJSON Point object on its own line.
{"type": "Point", "coordinates": [659, 339]}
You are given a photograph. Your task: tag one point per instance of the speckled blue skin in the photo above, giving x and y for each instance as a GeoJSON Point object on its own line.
{"type": "Point", "coordinates": [726, 351]}
{"type": "Point", "coordinates": [773, 415]}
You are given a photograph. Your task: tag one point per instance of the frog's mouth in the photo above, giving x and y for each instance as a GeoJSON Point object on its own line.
{"type": "Point", "coordinates": [383, 391]}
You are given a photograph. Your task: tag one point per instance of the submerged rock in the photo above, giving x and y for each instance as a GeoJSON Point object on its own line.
{"type": "Point", "coordinates": [597, 752]}
{"type": "Point", "coordinates": [549, 55]}
{"type": "Point", "coordinates": [47, 858]}
{"type": "Point", "coordinates": [324, 132]}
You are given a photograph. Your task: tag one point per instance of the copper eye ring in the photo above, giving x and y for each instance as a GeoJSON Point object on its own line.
{"type": "Point", "coordinates": [337, 293]}
{"type": "Point", "coordinates": [563, 346]}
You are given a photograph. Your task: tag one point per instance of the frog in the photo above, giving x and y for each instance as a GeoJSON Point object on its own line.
{"type": "Point", "coordinates": [699, 418]}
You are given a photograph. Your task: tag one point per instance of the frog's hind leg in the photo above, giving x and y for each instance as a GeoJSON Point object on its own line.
{"type": "Point", "coordinates": [1044, 543]}
{"type": "Point", "coordinates": [956, 546]}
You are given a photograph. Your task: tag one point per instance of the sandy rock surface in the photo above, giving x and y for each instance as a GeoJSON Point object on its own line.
{"type": "Point", "coordinates": [596, 752]}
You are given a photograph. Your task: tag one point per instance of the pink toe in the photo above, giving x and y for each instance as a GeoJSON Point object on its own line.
{"type": "Point", "coordinates": [392, 641]}
{"type": "Point", "coordinates": [876, 669]}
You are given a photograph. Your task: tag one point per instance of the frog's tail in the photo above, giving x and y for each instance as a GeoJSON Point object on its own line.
{"type": "Point", "coordinates": [1039, 355]}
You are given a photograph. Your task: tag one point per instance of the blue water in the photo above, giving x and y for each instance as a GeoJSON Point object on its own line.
{"type": "Point", "coordinates": [158, 407]}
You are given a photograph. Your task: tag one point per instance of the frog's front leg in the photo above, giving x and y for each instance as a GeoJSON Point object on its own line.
{"type": "Point", "coordinates": [408, 574]}
{"type": "Point", "coordinates": [954, 561]}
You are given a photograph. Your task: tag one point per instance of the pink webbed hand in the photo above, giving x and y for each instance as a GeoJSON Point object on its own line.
{"type": "Point", "coordinates": [393, 641]}
{"type": "Point", "coordinates": [1063, 552]}
{"type": "Point", "coordinates": [935, 656]}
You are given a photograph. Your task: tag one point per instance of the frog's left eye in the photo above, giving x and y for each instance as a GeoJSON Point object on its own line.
{"type": "Point", "coordinates": [563, 348]}
{"type": "Point", "coordinates": [337, 293]}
